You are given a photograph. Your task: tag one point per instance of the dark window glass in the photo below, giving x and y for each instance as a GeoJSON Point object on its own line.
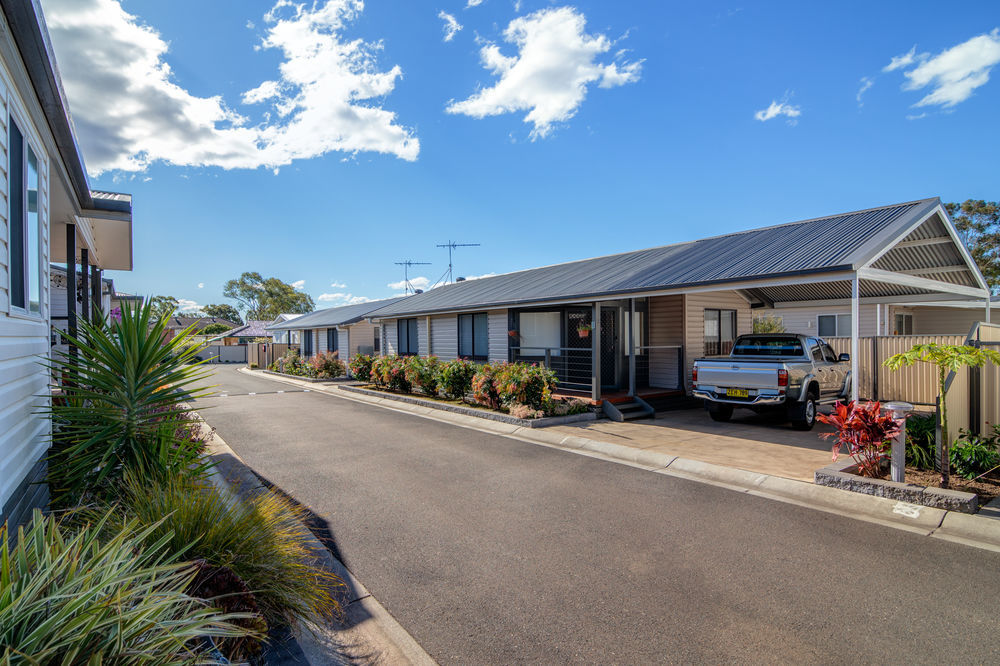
{"type": "Point", "coordinates": [406, 331]}
{"type": "Point", "coordinates": [307, 343]}
{"type": "Point", "coordinates": [720, 331]}
{"type": "Point", "coordinates": [473, 338]}
{"type": "Point", "coordinates": [17, 241]}
{"type": "Point", "coordinates": [331, 340]}
{"type": "Point", "coordinates": [378, 339]}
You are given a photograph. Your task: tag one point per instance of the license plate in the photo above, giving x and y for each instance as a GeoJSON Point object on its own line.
{"type": "Point", "coordinates": [737, 393]}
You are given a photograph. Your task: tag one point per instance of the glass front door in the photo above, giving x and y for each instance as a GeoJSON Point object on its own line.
{"type": "Point", "coordinates": [609, 347]}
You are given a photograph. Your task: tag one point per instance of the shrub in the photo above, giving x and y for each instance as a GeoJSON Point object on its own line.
{"type": "Point", "coordinates": [423, 373]}
{"type": "Point", "coordinates": [484, 386]}
{"type": "Point", "coordinates": [121, 404]}
{"type": "Point", "coordinates": [390, 372]}
{"type": "Point", "coordinates": [564, 407]}
{"type": "Point", "coordinates": [260, 540]}
{"type": "Point", "coordinates": [214, 329]}
{"type": "Point", "coordinates": [520, 411]}
{"type": "Point", "coordinates": [361, 367]}
{"type": "Point", "coordinates": [290, 364]}
{"type": "Point", "coordinates": [973, 455]}
{"type": "Point", "coordinates": [68, 598]}
{"type": "Point", "coordinates": [865, 431]}
{"type": "Point", "coordinates": [920, 438]}
{"type": "Point", "coordinates": [326, 365]}
{"type": "Point", "coordinates": [504, 384]}
{"type": "Point", "coordinates": [768, 324]}
{"type": "Point", "coordinates": [456, 378]}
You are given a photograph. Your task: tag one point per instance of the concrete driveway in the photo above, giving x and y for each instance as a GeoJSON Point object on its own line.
{"type": "Point", "coordinates": [751, 442]}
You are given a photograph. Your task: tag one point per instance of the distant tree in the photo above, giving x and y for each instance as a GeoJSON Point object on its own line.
{"type": "Point", "coordinates": [768, 324]}
{"type": "Point", "coordinates": [214, 329]}
{"type": "Point", "coordinates": [162, 306]}
{"type": "Point", "coordinates": [223, 311]}
{"type": "Point", "coordinates": [266, 298]}
{"type": "Point", "coordinates": [979, 224]}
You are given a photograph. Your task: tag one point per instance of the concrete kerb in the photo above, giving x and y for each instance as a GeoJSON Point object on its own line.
{"type": "Point", "coordinates": [973, 530]}
{"type": "Point", "coordinates": [371, 633]}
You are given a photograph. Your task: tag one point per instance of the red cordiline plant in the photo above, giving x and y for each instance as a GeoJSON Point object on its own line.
{"type": "Point", "coordinates": [864, 431]}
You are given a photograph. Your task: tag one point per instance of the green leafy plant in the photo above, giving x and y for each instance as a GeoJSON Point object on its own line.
{"type": "Point", "coordinates": [361, 367]}
{"type": "Point", "coordinates": [768, 324]}
{"type": "Point", "coordinates": [214, 329]}
{"type": "Point", "coordinates": [553, 407]}
{"type": "Point", "coordinates": [920, 434]}
{"type": "Point", "coordinates": [424, 373]}
{"type": "Point", "coordinates": [485, 389]}
{"type": "Point", "coordinates": [864, 430]}
{"type": "Point", "coordinates": [70, 598]}
{"type": "Point", "coordinates": [325, 365]}
{"type": "Point", "coordinates": [456, 378]}
{"type": "Point", "coordinates": [973, 456]}
{"type": "Point", "coordinates": [120, 404]}
{"type": "Point", "coordinates": [946, 358]}
{"type": "Point", "coordinates": [390, 372]}
{"type": "Point", "coordinates": [261, 540]}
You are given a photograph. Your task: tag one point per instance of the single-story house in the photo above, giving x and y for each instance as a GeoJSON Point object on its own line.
{"type": "Point", "coordinates": [177, 323]}
{"type": "Point", "coordinates": [251, 331]}
{"type": "Point", "coordinates": [834, 320]}
{"type": "Point", "coordinates": [50, 214]}
{"type": "Point", "coordinates": [285, 336]}
{"type": "Point", "coordinates": [343, 329]}
{"type": "Point", "coordinates": [635, 322]}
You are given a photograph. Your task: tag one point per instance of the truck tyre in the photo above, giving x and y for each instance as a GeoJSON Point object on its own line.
{"type": "Point", "coordinates": [803, 414]}
{"type": "Point", "coordinates": [720, 413]}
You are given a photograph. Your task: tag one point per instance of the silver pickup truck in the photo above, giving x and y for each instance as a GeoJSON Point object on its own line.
{"type": "Point", "coordinates": [773, 371]}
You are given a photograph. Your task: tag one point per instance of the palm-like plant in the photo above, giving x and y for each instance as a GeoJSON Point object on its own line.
{"type": "Point", "coordinates": [120, 404]}
{"type": "Point", "coordinates": [71, 598]}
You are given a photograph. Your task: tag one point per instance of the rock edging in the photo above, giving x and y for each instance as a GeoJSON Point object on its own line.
{"type": "Point", "coordinates": [844, 475]}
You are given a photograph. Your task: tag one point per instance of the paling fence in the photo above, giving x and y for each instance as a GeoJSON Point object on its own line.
{"type": "Point", "coordinates": [223, 354]}
{"type": "Point", "coordinates": [263, 354]}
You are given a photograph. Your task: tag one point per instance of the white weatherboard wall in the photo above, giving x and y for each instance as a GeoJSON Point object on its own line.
{"type": "Point", "coordinates": [422, 348]}
{"type": "Point", "coordinates": [23, 339]}
{"type": "Point", "coordinates": [496, 328]}
{"type": "Point", "coordinates": [390, 346]}
{"type": "Point", "coordinates": [444, 337]}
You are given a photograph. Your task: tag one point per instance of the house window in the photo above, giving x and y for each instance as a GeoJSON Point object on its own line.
{"type": "Point", "coordinates": [307, 343]}
{"type": "Point", "coordinates": [25, 235]}
{"type": "Point", "coordinates": [378, 340]}
{"type": "Point", "coordinates": [331, 340]}
{"type": "Point", "coordinates": [473, 341]}
{"type": "Point", "coordinates": [720, 331]}
{"type": "Point", "coordinates": [834, 326]}
{"type": "Point", "coordinates": [904, 324]}
{"type": "Point", "coordinates": [406, 341]}
{"type": "Point", "coordinates": [539, 331]}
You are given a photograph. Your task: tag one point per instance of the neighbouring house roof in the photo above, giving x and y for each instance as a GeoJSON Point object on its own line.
{"type": "Point", "coordinates": [286, 316]}
{"type": "Point", "coordinates": [179, 323]}
{"type": "Point", "coordinates": [254, 328]}
{"type": "Point", "coordinates": [825, 245]}
{"type": "Point", "coordinates": [339, 316]}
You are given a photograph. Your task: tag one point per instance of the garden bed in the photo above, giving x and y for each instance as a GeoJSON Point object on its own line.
{"type": "Point", "coordinates": [467, 409]}
{"type": "Point", "coordinates": [844, 475]}
{"type": "Point", "coordinates": [315, 380]}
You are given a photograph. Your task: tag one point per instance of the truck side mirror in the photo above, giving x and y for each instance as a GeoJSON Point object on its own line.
{"type": "Point", "coordinates": [844, 358]}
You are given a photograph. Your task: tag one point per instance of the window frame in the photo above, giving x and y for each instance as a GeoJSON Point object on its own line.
{"type": "Point", "coordinates": [718, 341]}
{"type": "Point", "coordinates": [837, 333]}
{"type": "Point", "coordinates": [411, 332]}
{"type": "Point", "coordinates": [332, 339]}
{"type": "Point", "coordinates": [486, 323]}
{"type": "Point", "coordinates": [905, 316]}
{"type": "Point", "coordinates": [15, 119]}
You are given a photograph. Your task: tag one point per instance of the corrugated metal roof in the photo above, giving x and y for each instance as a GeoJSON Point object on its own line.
{"type": "Point", "coordinates": [339, 316]}
{"type": "Point", "coordinates": [253, 328]}
{"type": "Point", "coordinates": [830, 243]}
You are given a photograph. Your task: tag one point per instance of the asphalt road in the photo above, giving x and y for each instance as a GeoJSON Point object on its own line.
{"type": "Point", "coordinates": [492, 550]}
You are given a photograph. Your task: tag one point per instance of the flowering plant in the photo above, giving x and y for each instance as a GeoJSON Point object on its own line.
{"type": "Point", "coordinates": [865, 432]}
{"type": "Point", "coordinates": [361, 367]}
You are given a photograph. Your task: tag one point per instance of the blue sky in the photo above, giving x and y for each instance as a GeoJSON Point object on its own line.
{"type": "Point", "coordinates": [324, 142]}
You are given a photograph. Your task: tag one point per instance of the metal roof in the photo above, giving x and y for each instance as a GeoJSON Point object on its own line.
{"type": "Point", "coordinates": [339, 316]}
{"type": "Point", "coordinates": [253, 328]}
{"type": "Point", "coordinates": [828, 244]}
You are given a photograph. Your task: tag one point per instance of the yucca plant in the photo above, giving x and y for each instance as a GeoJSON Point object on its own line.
{"type": "Point", "coordinates": [70, 598]}
{"type": "Point", "coordinates": [260, 540]}
{"type": "Point", "coordinates": [120, 403]}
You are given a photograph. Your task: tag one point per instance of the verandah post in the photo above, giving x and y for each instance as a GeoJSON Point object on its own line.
{"type": "Point", "coordinates": [595, 353]}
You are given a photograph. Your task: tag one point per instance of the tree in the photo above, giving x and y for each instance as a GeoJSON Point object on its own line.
{"type": "Point", "coordinates": [979, 224]}
{"type": "Point", "coordinates": [947, 358]}
{"type": "Point", "coordinates": [223, 311]}
{"type": "Point", "coordinates": [768, 324]}
{"type": "Point", "coordinates": [266, 299]}
{"type": "Point", "coordinates": [162, 307]}
{"type": "Point", "coordinates": [214, 329]}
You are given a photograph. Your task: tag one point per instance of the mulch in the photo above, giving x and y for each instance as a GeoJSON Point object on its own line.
{"type": "Point", "coordinates": [987, 488]}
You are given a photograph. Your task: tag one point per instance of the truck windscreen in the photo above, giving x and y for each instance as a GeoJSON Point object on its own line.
{"type": "Point", "coordinates": [767, 346]}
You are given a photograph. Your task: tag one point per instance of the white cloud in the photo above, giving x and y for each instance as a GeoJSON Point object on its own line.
{"type": "Point", "coordinates": [479, 277]}
{"type": "Point", "coordinates": [187, 305]}
{"type": "Point", "coordinates": [338, 285]}
{"type": "Point", "coordinates": [866, 83]}
{"type": "Point", "coordinates": [299, 284]}
{"type": "Point", "coordinates": [955, 73]}
{"type": "Point", "coordinates": [201, 285]}
{"type": "Point", "coordinates": [904, 60]}
{"type": "Point", "coordinates": [451, 26]}
{"type": "Point", "coordinates": [555, 63]}
{"type": "Point", "coordinates": [473, 3]}
{"type": "Point", "coordinates": [776, 109]}
{"type": "Point", "coordinates": [342, 298]}
{"type": "Point", "coordinates": [416, 282]}
{"type": "Point", "coordinates": [131, 112]}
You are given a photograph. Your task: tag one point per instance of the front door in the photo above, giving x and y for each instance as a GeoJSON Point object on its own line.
{"type": "Point", "coordinates": [609, 347]}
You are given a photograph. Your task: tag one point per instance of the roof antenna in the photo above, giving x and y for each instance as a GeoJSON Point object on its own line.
{"type": "Point", "coordinates": [406, 263]}
{"type": "Point", "coordinates": [451, 245]}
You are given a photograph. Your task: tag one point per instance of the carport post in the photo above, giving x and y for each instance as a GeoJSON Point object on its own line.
{"type": "Point", "coordinates": [855, 331]}
{"type": "Point", "coordinates": [988, 301]}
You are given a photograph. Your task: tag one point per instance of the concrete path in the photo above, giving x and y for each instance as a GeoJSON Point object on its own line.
{"type": "Point", "coordinates": [492, 550]}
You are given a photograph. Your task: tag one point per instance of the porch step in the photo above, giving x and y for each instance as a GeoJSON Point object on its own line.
{"type": "Point", "coordinates": [628, 411]}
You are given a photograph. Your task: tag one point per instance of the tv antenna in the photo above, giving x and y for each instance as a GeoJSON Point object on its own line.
{"type": "Point", "coordinates": [451, 245]}
{"type": "Point", "coordinates": [407, 287]}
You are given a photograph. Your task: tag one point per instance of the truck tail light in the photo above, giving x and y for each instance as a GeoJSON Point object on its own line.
{"type": "Point", "coordinates": [782, 377]}
{"type": "Point", "coordinates": [694, 375]}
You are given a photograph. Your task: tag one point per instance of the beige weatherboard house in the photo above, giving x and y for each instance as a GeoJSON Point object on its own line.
{"type": "Point", "coordinates": [48, 214]}
{"type": "Point", "coordinates": [633, 323]}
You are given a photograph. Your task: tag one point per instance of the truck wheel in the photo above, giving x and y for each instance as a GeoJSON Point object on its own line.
{"type": "Point", "coordinates": [720, 413]}
{"type": "Point", "coordinates": [803, 414]}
